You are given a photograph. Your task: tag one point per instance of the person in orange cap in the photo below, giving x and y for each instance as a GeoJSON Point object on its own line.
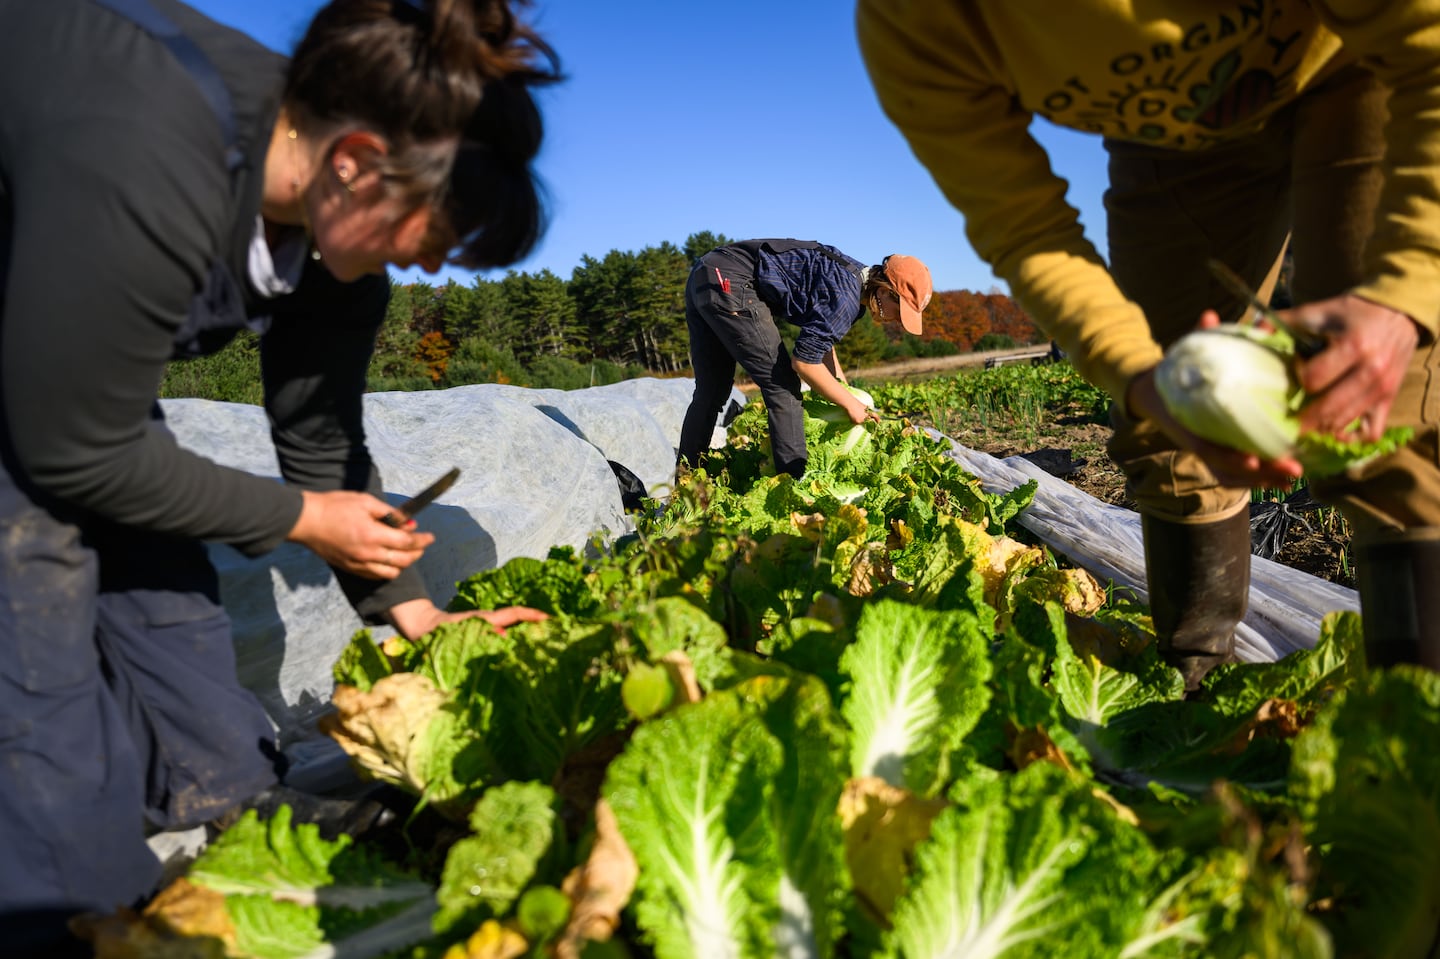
{"type": "Point", "coordinates": [734, 294]}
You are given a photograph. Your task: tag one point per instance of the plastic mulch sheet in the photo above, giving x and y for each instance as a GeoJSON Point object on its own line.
{"type": "Point", "coordinates": [1286, 605]}
{"type": "Point", "coordinates": [537, 470]}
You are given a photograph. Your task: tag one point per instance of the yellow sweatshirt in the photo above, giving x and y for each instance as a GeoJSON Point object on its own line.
{"type": "Point", "coordinates": [963, 79]}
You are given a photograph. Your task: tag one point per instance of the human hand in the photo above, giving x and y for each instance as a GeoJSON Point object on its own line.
{"type": "Point", "coordinates": [417, 617]}
{"type": "Point", "coordinates": [343, 528]}
{"type": "Point", "coordinates": [860, 413]}
{"type": "Point", "coordinates": [1358, 374]}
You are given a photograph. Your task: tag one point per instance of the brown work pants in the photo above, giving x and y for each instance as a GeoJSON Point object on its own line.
{"type": "Point", "coordinates": [1313, 175]}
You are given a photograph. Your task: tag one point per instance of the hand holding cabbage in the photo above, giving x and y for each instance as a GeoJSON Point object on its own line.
{"type": "Point", "coordinates": [1360, 372]}
{"type": "Point", "coordinates": [1240, 386]}
{"type": "Point", "coordinates": [856, 412]}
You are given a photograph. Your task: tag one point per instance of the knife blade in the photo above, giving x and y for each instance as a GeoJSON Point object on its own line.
{"type": "Point", "coordinates": [1307, 344]}
{"type": "Point", "coordinates": [406, 511]}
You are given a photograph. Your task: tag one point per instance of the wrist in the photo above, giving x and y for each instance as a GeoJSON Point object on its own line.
{"type": "Point", "coordinates": [1135, 403]}
{"type": "Point", "coordinates": [414, 618]}
{"type": "Point", "coordinates": [1398, 316]}
{"type": "Point", "coordinates": [1399, 292]}
{"type": "Point", "coordinates": [300, 530]}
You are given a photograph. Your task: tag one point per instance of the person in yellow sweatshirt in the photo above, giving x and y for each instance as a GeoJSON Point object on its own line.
{"type": "Point", "coordinates": [1231, 127]}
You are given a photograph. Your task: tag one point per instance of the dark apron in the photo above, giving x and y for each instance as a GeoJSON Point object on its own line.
{"type": "Point", "coordinates": [119, 702]}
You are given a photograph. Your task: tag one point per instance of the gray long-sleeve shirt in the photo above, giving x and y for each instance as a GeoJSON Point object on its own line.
{"type": "Point", "coordinates": [115, 208]}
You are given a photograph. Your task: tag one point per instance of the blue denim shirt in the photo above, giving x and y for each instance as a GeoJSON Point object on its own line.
{"type": "Point", "coordinates": [815, 292]}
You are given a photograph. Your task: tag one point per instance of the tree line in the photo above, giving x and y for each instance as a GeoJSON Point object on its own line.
{"type": "Point", "coordinates": [616, 318]}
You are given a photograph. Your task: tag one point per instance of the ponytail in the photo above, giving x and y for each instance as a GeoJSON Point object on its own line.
{"type": "Point", "coordinates": [447, 83]}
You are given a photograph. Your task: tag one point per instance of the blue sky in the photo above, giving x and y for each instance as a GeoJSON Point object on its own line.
{"type": "Point", "coordinates": [751, 118]}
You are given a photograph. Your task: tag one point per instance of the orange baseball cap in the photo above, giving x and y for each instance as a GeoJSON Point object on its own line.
{"type": "Point", "coordinates": [911, 280]}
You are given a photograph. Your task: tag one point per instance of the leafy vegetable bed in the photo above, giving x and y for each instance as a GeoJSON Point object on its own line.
{"type": "Point", "coordinates": [847, 716]}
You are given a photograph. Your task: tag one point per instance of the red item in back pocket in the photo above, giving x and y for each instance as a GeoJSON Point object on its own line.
{"type": "Point", "coordinates": [724, 283]}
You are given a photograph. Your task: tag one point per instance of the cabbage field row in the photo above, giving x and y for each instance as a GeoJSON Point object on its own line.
{"type": "Point", "coordinates": [860, 714]}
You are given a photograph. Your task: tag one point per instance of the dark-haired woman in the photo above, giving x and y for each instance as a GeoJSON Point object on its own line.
{"type": "Point", "coordinates": [734, 297]}
{"type": "Point", "coordinates": [165, 182]}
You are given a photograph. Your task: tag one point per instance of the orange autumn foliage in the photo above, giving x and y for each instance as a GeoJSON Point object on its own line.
{"type": "Point", "coordinates": [963, 317]}
{"type": "Point", "coordinates": [434, 351]}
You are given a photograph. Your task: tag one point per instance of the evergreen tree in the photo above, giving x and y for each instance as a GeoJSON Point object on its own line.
{"type": "Point", "coordinates": [659, 296]}
{"type": "Point", "coordinates": [865, 345]}
{"type": "Point", "coordinates": [396, 344]}
{"type": "Point", "coordinates": [457, 307]}
{"type": "Point", "coordinates": [427, 308]}
{"type": "Point", "coordinates": [546, 317]}
{"type": "Point", "coordinates": [603, 292]}
{"type": "Point", "coordinates": [231, 375]}
{"type": "Point", "coordinates": [481, 313]}
{"type": "Point", "coordinates": [478, 360]}
{"type": "Point", "coordinates": [698, 244]}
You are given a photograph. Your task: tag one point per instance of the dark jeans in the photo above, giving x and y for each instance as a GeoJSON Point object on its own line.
{"type": "Point", "coordinates": [730, 327]}
{"type": "Point", "coordinates": [118, 704]}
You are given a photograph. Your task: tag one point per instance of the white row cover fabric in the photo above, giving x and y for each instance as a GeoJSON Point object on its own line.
{"type": "Point", "coordinates": [1286, 605]}
{"type": "Point", "coordinates": [534, 474]}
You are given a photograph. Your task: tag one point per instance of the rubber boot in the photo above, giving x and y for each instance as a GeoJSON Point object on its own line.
{"type": "Point", "coordinates": [1399, 579]}
{"type": "Point", "coordinates": [1199, 580]}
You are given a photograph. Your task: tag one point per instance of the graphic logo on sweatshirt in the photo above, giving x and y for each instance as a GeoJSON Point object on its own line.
{"type": "Point", "coordinates": [1222, 73]}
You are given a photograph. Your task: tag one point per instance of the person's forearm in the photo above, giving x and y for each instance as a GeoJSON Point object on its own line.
{"type": "Point", "coordinates": [948, 96]}
{"type": "Point", "coordinates": [415, 618]}
{"type": "Point", "coordinates": [822, 381]}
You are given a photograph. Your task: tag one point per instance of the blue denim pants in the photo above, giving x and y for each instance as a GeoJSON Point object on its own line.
{"type": "Point", "coordinates": [119, 705]}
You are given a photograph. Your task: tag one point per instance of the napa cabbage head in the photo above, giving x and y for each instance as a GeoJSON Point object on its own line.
{"type": "Point", "coordinates": [1236, 385]}
{"type": "Point", "coordinates": [818, 407]}
{"type": "Point", "coordinates": [917, 685]}
{"type": "Point", "coordinates": [1025, 865]}
{"type": "Point", "coordinates": [728, 806]}
{"type": "Point", "coordinates": [1365, 778]}
{"type": "Point", "coordinates": [275, 889]}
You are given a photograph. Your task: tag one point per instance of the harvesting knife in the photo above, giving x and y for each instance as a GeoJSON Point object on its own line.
{"type": "Point", "coordinates": [1307, 344]}
{"type": "Point", "coordinates": [406, 511]}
